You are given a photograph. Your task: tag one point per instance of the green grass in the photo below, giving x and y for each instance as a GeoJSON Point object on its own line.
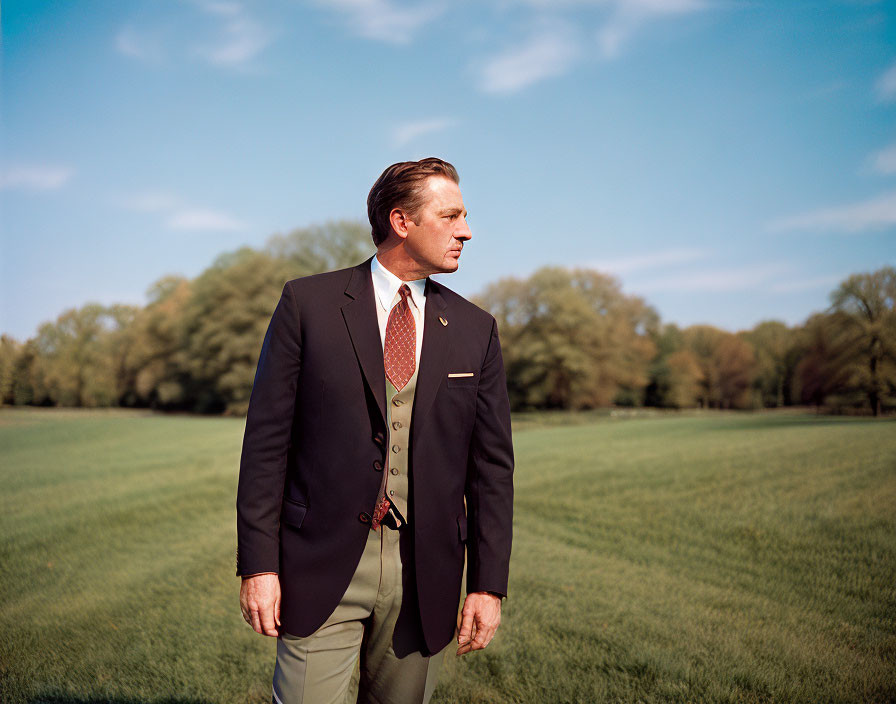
{"type": "Point", "coordinates": [711, 557]}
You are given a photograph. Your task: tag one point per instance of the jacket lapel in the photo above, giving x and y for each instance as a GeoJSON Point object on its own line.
{"type": "Point", "coordinates": [433, 356]}
{"type": "Point", "coordinates": [361, 321]}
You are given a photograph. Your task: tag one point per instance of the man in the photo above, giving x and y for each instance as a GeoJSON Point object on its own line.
{"type": "Point", "coordinates": [377, 451]}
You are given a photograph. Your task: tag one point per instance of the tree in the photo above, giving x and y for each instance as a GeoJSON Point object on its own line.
{"type": "Point", "coordinates": [334, 245]}
{"type": "Point", "coordinates": [772, 341]}
{"type": "Point", "coordinates": [572, 339]}
{"type": "Point", "coordinates": [864, 307]}
{"type": "Point", "coordinates": [727, 366]}
{"type": "Point", "coordinates": [675, 375]}
{"type": "Point", "coordinates": [10, 349]}
{"type": "Point", "coordinates": [826, 365]}
{"type": "Point", "coordinates": [157, 360]}
{"type": "Point", "coordinates": [75, 357]}
{"type": "Point", "coordinates": [121, 343]}
{"type": "Point", "coordinates": [225, 319]}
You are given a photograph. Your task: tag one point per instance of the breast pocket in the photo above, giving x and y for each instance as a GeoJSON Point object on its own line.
{"type": "Point", "coordinates": [463, 380]}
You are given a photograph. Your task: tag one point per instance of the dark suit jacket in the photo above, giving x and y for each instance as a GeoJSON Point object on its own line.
{"type": "Point", "coordinates": [315, 444]}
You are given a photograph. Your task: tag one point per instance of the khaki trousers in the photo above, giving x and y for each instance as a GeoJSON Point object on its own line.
{"type": "Point", "coordinates": [350, 658]}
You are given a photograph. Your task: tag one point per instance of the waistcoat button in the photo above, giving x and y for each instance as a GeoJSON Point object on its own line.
{"type": "Point", "coordinates": [396, 448]}
{"type": "Point", "coordinates": [394, 470]}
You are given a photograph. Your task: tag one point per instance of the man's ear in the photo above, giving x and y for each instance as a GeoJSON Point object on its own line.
{"type": "Point", "coordinates": [399, 220]}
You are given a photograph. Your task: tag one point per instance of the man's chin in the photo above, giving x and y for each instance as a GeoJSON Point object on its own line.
{"type": "Point", "coordinates": [451, 264]}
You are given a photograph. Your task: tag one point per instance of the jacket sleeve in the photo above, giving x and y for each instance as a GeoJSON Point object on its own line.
{"type": "Point", "coordinates": [266, 441]}
{"type": "Point", "coordinates": [490, 479]}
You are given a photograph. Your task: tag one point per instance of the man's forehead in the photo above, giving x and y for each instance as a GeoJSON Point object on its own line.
{"type": "Point", "coordinates": [443, 192]}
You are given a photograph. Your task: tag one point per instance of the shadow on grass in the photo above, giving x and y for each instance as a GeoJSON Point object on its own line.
{"type": "Point", "coordinates": [99, 699]}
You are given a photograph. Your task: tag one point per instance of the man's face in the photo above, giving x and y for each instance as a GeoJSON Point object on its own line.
{"type": "Point", "coordinates": [437, 233]}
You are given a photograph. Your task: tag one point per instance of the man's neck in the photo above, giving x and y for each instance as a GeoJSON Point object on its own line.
{"type": "Point", "coordinates": [395, 261]}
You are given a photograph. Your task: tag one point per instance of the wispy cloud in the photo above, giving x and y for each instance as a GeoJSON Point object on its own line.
{"type": "Point", "coordinates": [34, 178]}
{"type": "Point", "coordinates": [554, 48]}
{"type": "Point", "coordinates": [886, 85]}
{"type": "Point", "coordinates": [385, 20]}
{"type": "Point", "coordinates": [885, 160]}
{"type": "Point", "coordinates": [179, 215]}
{"type": "Point", "coordinates": [231, 38]}
{"type": "Point", "coordinates": [652, 260]}
{"type": "Point", "coordinates": [240, 37]}
{"type": "Point", "coordinates": [139, 45]}
{"type": "Point", "coordinates": [199, 219]}
{"type": "Point", "coordinates": [549, 52]}
{"type": "Point", "coordinates": [409, 131]}
{"type": "Point", "coordinates": [872, 214]}
{"type": "Point", "coordinates": [716, 280]}
{"type": "Point", "coordinates": [628, 16]}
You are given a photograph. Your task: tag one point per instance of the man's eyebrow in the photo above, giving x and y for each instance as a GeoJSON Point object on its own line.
{"type": "Point", "coordinates": [450, 211]}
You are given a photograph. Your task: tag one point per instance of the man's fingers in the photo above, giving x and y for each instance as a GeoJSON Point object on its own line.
{"type": "Point", "coordinates": [466, 628]}
{"type": "Point", "coordinates": [260, 602]}
{"type": "Point", "coordinates": [255, 621]}
{"type": "Point", "coordinates": [464, 649]}
{"type": "Point", "coordinates": [483, 637]}
{"type": "Point", "coordinates": [268, 626]}
{"type": "Point", "coordinates": [480, 623]}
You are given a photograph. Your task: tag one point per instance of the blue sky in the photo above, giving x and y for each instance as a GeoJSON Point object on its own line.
{"type": "Point", "coordinates": [730, 161]}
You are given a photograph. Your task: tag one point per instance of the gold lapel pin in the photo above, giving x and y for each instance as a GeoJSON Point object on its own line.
{"type": "Point", "coordinates": [442, 320]}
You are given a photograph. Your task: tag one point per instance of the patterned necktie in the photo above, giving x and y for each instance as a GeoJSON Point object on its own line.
{"type": "Point", "coordinates": [399, 352]}
{"type": "Point", "coordinates": [401, 342]}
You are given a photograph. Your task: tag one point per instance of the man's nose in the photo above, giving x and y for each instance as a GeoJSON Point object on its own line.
{"type": "Point", "coordinates": [463, 232]}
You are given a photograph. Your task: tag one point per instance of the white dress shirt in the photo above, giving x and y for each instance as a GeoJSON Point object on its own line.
{"type": "Point", "coordinates": [385, 286]}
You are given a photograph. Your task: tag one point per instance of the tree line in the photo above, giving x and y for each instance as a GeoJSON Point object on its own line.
{"type": "Point", "coordinates": [571, 338]}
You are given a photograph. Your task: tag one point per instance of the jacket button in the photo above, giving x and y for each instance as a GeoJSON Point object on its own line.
{"type": "Point", "coordinates": [378, 439]}
{"type": "Point", "coordinates": [364, 517]}
{"type": "Point", "coordinates": [378, 466]}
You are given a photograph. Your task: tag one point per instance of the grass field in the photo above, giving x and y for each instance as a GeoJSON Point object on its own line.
{"type": "Point", "coordinates": [708, 558]}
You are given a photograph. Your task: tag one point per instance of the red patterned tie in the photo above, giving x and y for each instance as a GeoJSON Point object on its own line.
{"type": "Point", "coordinates": [401, 342]}
{"type": "Point", "coordinates": [399, 352]}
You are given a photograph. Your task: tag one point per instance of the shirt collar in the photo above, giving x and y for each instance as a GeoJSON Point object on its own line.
{"type": "Point", "coordinates": [386, 285]}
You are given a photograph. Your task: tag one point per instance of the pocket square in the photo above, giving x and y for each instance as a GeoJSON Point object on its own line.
{"type": "Point", "coordinates": [455, 375]}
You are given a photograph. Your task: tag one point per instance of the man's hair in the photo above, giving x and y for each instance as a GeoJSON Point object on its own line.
{"type": "Point", "coordinates": [401, 186]}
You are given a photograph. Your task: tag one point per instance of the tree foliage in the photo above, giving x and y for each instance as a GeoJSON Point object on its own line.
{"type": "Point", "coordinates": [772, 341]}
{"type": "Point", "coordinates": [726, 364]}
{"type": "Point", "coordinates": [864, 314]}
{"type": "Point", "coordinates": [675, 376]}
{"type": "Point", "coordinates": [825, 366]}
{"type": "Point", "coordinates": [571, 339]}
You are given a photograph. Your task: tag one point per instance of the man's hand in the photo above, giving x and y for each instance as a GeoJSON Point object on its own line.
{"type": "Point", "coordinates": [260, 603]}
{"type": "Point", "coordinates": [480, 618]}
